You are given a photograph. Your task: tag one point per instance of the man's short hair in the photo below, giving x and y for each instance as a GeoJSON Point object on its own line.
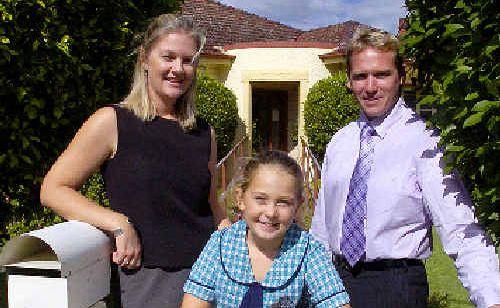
{"type": "Point", "coordinates": [381, 40]}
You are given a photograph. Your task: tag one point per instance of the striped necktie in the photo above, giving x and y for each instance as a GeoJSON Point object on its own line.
{"type": "Point", "coordinates": [353, 241]}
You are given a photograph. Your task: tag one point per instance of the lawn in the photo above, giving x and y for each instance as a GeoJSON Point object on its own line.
{"type": "Point", "coordinates": [443, 282]}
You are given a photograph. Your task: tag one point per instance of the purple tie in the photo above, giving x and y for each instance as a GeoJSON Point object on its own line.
{"type": "Point", "coordinates": [353, 241]}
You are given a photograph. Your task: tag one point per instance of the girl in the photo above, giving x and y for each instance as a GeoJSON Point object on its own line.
{"type": "Point", "coordinates": [157, 160]}
{"type": "Point", "coordinates": [265, 259]}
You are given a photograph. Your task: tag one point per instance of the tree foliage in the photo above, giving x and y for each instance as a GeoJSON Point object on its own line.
{"type": "Point", "coordinates": [455, 46]}
{"type": "Point", "coordinates": [217, 105]}
{"type": "Point", "coordinates": [60, 60]}
{"type": "Point", "coordinates": [329, 107]}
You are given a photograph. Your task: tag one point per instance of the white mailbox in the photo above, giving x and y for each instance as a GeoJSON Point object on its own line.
{"type": "Point", "coordinates": [65, 265]}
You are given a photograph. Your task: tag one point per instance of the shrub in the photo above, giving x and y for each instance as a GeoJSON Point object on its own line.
{"type": "Point", "coordinates": [217, 105]}
{"type": "Point", "coordinates": [92, 189]}
{"type": "Point", "coordinates": [455, 46]}
{"type": "Point", "coordinates": [60, 61]}
{"type": "Point", "coordinates": [329, 107]}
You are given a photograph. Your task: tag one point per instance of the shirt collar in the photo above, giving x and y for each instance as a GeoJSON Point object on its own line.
{"type": "Point", "coordinates": [236, 261]}
{"type": "Point", "coordinates": [383, 124]}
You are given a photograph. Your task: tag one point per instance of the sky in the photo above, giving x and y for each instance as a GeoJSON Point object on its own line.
{"type": "Point", "coordinates": [309, 14]}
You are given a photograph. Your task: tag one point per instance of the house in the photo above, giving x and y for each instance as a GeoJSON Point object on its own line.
{"type": "Point", "coordinates": [269, 66]}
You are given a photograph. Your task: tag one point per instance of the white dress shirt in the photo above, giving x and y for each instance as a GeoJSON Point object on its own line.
{"type": "Point", "coordinates": [407, 194]}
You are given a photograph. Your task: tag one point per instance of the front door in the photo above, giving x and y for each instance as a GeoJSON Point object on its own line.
{"type": "Point", "coordinates": [269, 119]}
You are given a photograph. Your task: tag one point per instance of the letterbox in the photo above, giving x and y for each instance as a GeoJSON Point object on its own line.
{"type": "Point", "coordinates": [63, 266]}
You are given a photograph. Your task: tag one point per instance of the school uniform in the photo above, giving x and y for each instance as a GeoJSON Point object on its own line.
{"type": "Point", "coordinates": [302, 274]}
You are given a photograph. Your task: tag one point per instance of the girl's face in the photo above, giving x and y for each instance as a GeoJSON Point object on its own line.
{"type": "Point", "coordinates": [170, 66]}
{"type": "Point", "coordinates": [269, 204]}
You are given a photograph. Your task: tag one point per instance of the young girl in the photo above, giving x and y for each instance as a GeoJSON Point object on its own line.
{"type": "Point", "coordinates": [265, 259]}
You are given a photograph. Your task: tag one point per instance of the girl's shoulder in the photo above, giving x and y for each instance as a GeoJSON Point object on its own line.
{"type": "Point", "coordinates": [227, 235]}
{"type": "Point", "coordinates": [305, 238]}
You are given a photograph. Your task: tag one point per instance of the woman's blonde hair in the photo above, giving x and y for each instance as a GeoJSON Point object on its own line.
{"type": "Point", "coordinates": [138, 100]}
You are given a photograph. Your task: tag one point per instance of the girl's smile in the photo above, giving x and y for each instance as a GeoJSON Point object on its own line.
{"type": "Point", "coordinates": [269, 204]}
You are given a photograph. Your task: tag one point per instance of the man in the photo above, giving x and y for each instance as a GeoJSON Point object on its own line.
{"type": "Point", "coordinates": [383, 187]}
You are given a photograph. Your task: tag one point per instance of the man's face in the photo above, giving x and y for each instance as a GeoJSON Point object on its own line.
{"type": "Point", "coordinates": [374, 80]}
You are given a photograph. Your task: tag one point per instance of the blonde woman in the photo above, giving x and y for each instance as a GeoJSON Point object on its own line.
{"type": "Point", "coordinates": [158, 164]}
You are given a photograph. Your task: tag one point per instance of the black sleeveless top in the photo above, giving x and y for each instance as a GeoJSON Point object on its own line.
{"type": "Point", "coordinates": [159, 178]}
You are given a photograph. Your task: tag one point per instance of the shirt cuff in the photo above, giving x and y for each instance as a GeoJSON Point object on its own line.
{"type": "Point", "coordinates": [336, 300]}
{"type": "Point", "coordinates": [488, 298]}
{"type": "Point", "coordinates": [199, 290]}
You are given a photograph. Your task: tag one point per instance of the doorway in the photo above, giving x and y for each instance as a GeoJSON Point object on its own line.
{"type": "Point", "coordinates": [274, 112]}
{"type": "Point", "coordinates": [269, 119]}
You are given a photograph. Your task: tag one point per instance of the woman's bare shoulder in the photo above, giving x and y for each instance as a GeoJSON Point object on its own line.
{"type": "Point", "coordinates": [103, 116]}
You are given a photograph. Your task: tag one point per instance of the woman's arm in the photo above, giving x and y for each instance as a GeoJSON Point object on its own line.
{"type": "Point", "coordinates": [189, 301]}
{"type": "Point", "coordinates": [218, 211]}
{"type": "Point", "coordinates": [95, 142]}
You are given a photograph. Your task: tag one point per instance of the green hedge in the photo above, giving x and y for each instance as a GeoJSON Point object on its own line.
{"type": "Point", "coordinates": [60, 61]}
{"type": "Point", "coordinates": [329, 107]}
{"type": "Point", "coordinates": [456, 47]}
{"type": "Point", "coordinates": [217, 105]}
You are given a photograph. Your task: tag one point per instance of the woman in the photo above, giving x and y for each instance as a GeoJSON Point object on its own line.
{"type": "Point", "coordinates": [158, 163]}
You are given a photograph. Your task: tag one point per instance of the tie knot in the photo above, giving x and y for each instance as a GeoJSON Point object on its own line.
{"type": "Point", "coordinates": [366, 131]}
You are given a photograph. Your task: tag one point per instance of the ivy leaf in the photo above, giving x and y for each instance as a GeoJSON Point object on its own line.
{"type": "Point", "coordinates": [452, 28]}
{"type": "Point", "coordinates": [460, 5]}
{"type": "Point", "coordinates": [57, 113]}
{"type": "Point", "coordinates": [485, 105]}
{"type": "Point", "coordinates": [489, 49]}
{"type": "Point", "coordinates": [473, 119]}
{"type": "Point", "coordinates": [475, 23]}
{"type": "Point", "coordinates": [455, 148]}
{"type": "Point", "coordinates": [471, 96]}
{"type": "Point", "coordinates": [463, 68]}
{"type": "Point", "coordinates": [412, 41]}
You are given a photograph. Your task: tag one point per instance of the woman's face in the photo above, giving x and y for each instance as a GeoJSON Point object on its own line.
{"type": "Point", "coordinates": [170, 66]}
{"type": "Point", "coordinates": [269, 204]}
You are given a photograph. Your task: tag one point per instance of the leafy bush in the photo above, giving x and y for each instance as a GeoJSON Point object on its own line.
{"type": "Point", "coordinates": [60, 60]}
{"type": "Point", "coordinates": [455, 46]}
{"type": "Point", "coordinates": [329, 107]}
{"type": "Point", "coordinates": [217, 105]}
{"type": "Point", "coordinates": [92, 189]}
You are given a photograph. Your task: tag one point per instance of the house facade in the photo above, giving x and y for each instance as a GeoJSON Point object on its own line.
{"type": "Point", "coordinates": [269, 66]}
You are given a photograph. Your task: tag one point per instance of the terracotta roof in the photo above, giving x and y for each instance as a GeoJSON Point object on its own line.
{"type": "Point", "coordinates": [229, 27]}
{"type": "Point", "coordinates": [339, 34]}
{"type": "Point", "coordinates": [333, 54]}
{"type": "Point", "coordinates": [226, 25]}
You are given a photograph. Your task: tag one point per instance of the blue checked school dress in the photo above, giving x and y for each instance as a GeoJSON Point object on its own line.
{"type": "Point", "coordinates": [302, 274]}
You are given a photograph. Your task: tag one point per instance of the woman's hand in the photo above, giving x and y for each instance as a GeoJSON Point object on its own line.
{"type": "Point", "coordinates": [128, 247]}
{"type": "Point", "coordinates": [224, 223]}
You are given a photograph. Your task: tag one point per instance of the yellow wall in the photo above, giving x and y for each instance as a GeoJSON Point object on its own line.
{"type": "Point", "coordinates": [272, 64]}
